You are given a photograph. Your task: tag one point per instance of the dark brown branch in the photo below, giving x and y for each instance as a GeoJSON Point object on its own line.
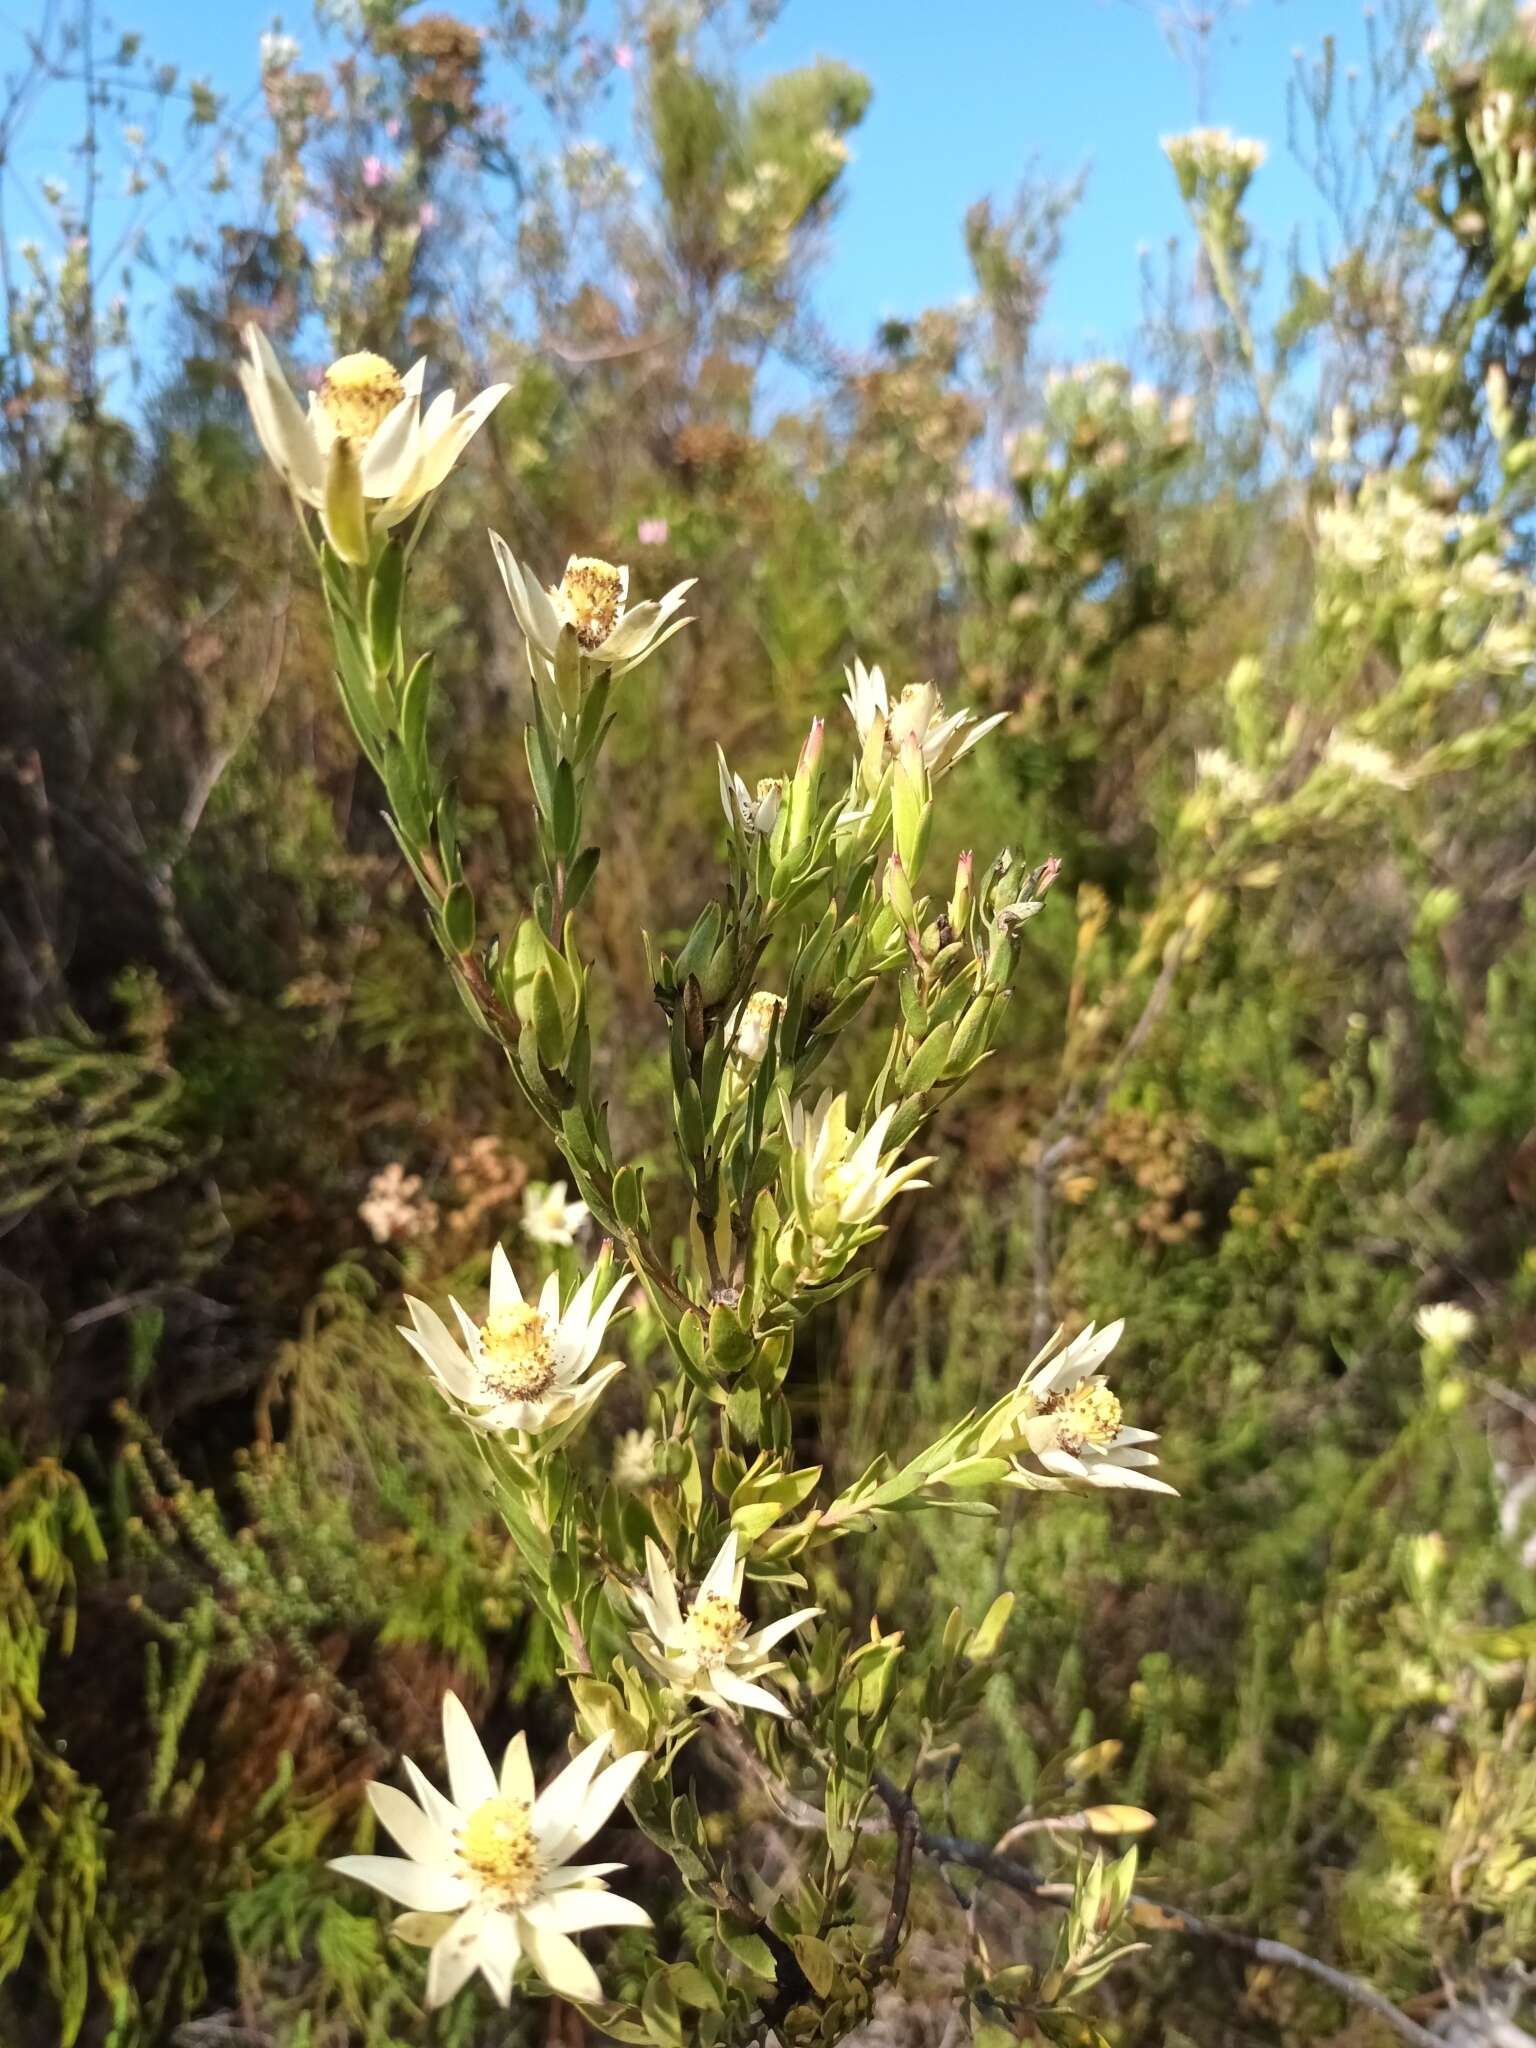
{"type": "Point", "coordinates": [1147, 1914]}
{"type": "Point", "coordinates": [908, 1828]}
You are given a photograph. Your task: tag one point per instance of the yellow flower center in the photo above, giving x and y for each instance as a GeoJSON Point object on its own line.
{"type": "Point", "coordinates": [358, 395]}
{"type": "Point", "coordinates": [1089, 1414]}
{"type": "Point", "coordinates": [842, 1183]}
{"type": "Point", "coordinates": [517, 1353]}
{"type": "Point", "coordinates": [498, 1851]}
{"type": "Point", "coordinates": [767, 786]}
{"type": "Point", "coordinates": [591, 596]}
{"type": "Point", "coordinates": [716, 1624]}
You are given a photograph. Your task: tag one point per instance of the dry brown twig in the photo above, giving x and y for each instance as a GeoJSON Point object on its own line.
{"type": "Point", "coordinates": [998, 1867]}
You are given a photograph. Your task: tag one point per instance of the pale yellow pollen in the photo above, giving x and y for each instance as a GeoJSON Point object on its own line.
{"type": "Point", "coordinates": [763, 1007]}
{"type": "Point", "coordinates": [498, 1851]}
{"type": "Point", "coordinates": [591, 596]}
{"type": "Point", "coordinates": [517, 1353]}
{"type": "Point", "coordinates": [767, 785]}
{"type": "Point", "coordinates": [716, 1624]}
{"type": "Point", "coordinates": [1089, 1414]}
{"type": "Point", "coordinates": [359, 393]}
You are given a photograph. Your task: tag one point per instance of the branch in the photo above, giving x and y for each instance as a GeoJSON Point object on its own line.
{"type": "Point", "coordinates": [212, 771]}
{"type": "Point", "coordinates": [1146, 1913]}
{"type": "Point", "coordinates": [907, 1830]}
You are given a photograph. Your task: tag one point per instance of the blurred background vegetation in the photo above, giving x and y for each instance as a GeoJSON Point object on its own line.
{"type": "Point", "coordinates": [1257, 605]}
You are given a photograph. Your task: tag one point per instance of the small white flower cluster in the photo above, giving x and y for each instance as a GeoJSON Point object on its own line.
{"type": "Point", "coordinates": [1213, 156]}
{"type": "Point", "coordinates": [1337, 446]}
{"type": "Point", "coordinates": [1095, 414]}
{"type": "Point", "coordinates": [1238, 785]}
{"type": "Point", "coordinates": [1426, 370]}
{"type": "Point", "coordinates": [1213, 153]}
{"type": "Point", "coordinates": [279, 52]}
{"type": "Point", "coordinates": [549, 1218]}
{"type": "Point", "coordinates": [983, 511]}
{"type": "Point", "coordinates": [1365, 761]}
{"type": "Point", "coordinates": [1506, 165]}
{"type": "Point", "coordinates": [756, 811]}
{"type": "Point", "coordinates": [1388, 559]}
{"type": "Point", "coordinates": [1445, 1325]}
{"type": "Point", "coordinates": [1384, 523]}
{"type": "Point", "coordinates": [634, 1459]}
{"type": "Point", "coordinates": [395, 1206]}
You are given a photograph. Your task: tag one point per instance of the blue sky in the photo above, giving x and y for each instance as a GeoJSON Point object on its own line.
{"type": "Point", "coordinates": [1066, 85]}
{"type": "Point", "coordinates": [966, 100]}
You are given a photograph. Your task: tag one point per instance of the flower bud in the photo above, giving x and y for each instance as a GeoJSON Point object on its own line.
{"type": "Point", "coordinates": [872, 759]}
{"type": "Point", "coordinates": [802, 790]}
{"type": "Point", "coordinates": [719, 972]}
{"type": "Point", "coordinates": [911, 804]}
{"type": "Point", "coordinates": [897, 892]}
{"type": "Point", "coordinates": [345, 515]}
{"type": "Point", "coordinates": [960, 902]}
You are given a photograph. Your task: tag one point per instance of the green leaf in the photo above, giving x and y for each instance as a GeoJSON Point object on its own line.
{"type": "Point", "coordinates": [548, 1024]}
{"type": "Point", "coordinates": [406, 797]}
{"type": "Point", "coordinates": [629, 1197]}
{"type": "Point", "coordinates": [415, 703]}
{"type": "Point", "coordinates": [749, 1949]}
{"type": "Point", "coordinates": [660, 2014]}
{"type": "Point", "coordinates": [564, 819]}
{"type": "Point", "coordinates": [459, 917]}
{"type": "Point", "coordinates": [690, 1122]}
{"type": "Point", "coordinates": [730, 1345]}
{"type": "Point", "coordinates": [579, 876]}
{"type": "Point", "coordinates": [927, 1063]}
{"type": "Point", "coordinates": [744, 1411]}
{"type": "Point", "coordinates": [386, 597]}
{"type": "Point", "coordinates": [985, 1642]}
{"type": "Point", "coordinates": [689, 1984]}
{"type": "Point", "coordinates": [356, 688]}
{"type": "Point", "coordinates": [751, 1521]}
{"type": "Point", "coordinates": [817, 1961]}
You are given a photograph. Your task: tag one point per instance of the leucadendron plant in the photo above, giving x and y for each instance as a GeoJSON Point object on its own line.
{"type": "Point", "coordinates": [680, 1599]}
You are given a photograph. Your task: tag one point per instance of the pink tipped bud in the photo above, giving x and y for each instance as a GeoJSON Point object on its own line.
{"type": "Point", "coordinates": [897, 890]}
{"type": "Point", "coordinates": [803, 788]}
